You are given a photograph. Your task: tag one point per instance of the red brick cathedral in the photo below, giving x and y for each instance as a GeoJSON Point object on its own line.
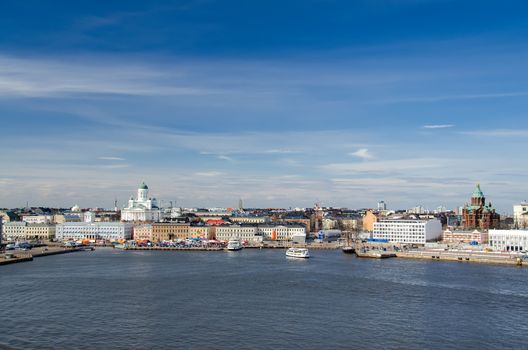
{"type": "Point", "coordinates": [478, 214]}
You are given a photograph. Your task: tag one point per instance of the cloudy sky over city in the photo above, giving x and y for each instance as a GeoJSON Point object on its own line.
{"type": "Point", "coordinates": [280, 103]}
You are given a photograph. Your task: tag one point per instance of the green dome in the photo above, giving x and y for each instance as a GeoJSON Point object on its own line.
{"type": "Point", "coordinates": [143, 186]}
{"type": "Point", "coordinates": [478, 192]}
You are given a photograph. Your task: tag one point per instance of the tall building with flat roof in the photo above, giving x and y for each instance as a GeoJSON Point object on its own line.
{"type": "Point", "coordinates": [408, 231]}
{"type": "Point", "coordinates": [520, 215]}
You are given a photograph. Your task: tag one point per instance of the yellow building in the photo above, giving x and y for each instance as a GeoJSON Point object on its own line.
{"type": "Point", "coordinates": [157, 232]}
{"type": "Point", "coordinates": [19, 230]}
{"type": "Point", "coordinates": [368, 221]}
{"type": "Point", "coordinates": [204, 232]}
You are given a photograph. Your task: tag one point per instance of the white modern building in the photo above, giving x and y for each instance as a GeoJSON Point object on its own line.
{"type": "Point", "coordinates": [508, 240]}
{"type": "Point", "coordinates": [241, 232]}
{"type": "Point", "coordinates": [520, 215]}
{"type": "Point", "coordinates": [143, 208]}
{"type": "Point", "coordinates": [94, 230]}
{"type": "Point", "coordinates": [382, 206]}
{"type": "Point", "coordinates": [408, 231]}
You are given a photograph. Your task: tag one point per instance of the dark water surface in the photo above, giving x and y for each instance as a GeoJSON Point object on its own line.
{"type": "Point", "coordinates": [111, 299]}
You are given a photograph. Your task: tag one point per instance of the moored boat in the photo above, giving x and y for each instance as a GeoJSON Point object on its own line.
{"type": "Point", "coordinates": [298, 253]}
{"type": "Point", "coordinates": [348, 250]}
{"type": "Point", "coordinates": [234, 245]}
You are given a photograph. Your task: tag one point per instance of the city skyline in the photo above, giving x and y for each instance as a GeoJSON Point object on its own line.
{"type": "Point", "coordinates": [346, 103]}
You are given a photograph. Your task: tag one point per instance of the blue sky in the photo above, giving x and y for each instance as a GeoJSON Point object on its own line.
{"type": "Point", "coordinates": [281, 103]}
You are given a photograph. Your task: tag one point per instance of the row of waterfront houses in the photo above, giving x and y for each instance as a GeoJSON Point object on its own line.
{"type": "Point", "coordinates": [397, 231]}
{"type": "Point", "coordinates": [154, 232]}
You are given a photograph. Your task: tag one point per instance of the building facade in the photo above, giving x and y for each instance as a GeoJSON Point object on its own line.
{"type": "Point", "coordinates": [281, 232]}
{"type": "Point", "coordinates": [508, 240]}
{"type": "Point", "coordinates": [520, 215]}
{"type": "Point", "coordinates": [368, 221]}
{"type": "Point", "coordinates": [241, 232]}
{"type": "Point", "coordinates": [157, 232]}
{"type": "Point", "coordinates": [408, 231]}
{"type": "Point", "coordinates": [204, 232]}
{"type": "Point", "coordinates": [465, 237]}
{"type": "Point", "coordinates": [479, 214]}
{"type": "Point", "coordinates": [143, 208]}
{"type": "Point", "coordinates": [249, 219]}
{"type": "Point", "coordinates": [38, 219]}
{"type": "Point", "coordinates": [110, 231]}
{"type": "Point", "coordinates": [22, 231]}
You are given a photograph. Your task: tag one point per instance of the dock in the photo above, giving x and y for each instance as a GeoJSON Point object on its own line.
{"type": "Point", "coordinates": [18, 256]}
{"type": "Point", "coordinates": [375, 254]}
{"type": "Point", "coordinates": [183, 249]}
{"type": "Point", "coordinates": [465, 256]}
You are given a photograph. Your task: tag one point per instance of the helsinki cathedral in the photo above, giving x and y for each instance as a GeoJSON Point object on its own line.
{"type": "Point", "coordinates": [143, 208]}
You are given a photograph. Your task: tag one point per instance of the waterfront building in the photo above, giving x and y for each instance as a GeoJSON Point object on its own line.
{"type": "Point", "coordinates": [479, 214]}
{"type": "Point", "coordinates": [368, 221]}
{"type": "Point", "coordinates": [465, 237]}
{"type": "Point", "coordinates": [281, 232]}
{"type": "Point", "coordinates": [143, 208]}
{"type": "Point", "coordinates": [242, 232]}
{"type": "Point", "coordinates": [156, 232]}
{"type": "Point", "coordinates": [202, 231]}
{"type": "Point", "coordinates": [110, 231]}
{"type": "Point", "coordinates": [520, 215]}
{"type": "Point", "coordinates": [408, 231]}
{"type": "Point", "coordinates": [1, 230]}
{"type": "Point", "coordinates": [21, 231]}
{"type": "Point", "coordinates": [508, 240]}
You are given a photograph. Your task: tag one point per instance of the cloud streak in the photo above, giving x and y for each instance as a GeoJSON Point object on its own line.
{"type": "Point", "coordinates": [362, 153]}
{"type": "Point", "coordinates": [111, 158]}
{"type": "Point", "coordinates": [438, 126]}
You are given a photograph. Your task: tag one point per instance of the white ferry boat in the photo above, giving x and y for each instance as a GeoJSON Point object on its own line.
{"type": "Point", "coordinates": [234, 245]}
{"type": "Point", "coordinates": [298, 253]}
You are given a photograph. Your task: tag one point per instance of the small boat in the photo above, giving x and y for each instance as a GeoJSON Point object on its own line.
{"type": "Point", "coordinates": [234, 245]}
{"type": "Point", "coordinates": [348, 250]}
{"type": "Point", "coordinates": [298, 253]}
{"type": "Point", "coordinates": [86, 248]}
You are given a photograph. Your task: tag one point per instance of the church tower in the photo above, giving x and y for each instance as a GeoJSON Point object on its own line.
{"type": "Point", "coordinates": [478, 199]}
{"type": "Point", "coordinates": [142, 192]}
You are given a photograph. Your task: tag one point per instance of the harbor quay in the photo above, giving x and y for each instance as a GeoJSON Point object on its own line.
{"type": "Point", "coordinates": [17, 256]}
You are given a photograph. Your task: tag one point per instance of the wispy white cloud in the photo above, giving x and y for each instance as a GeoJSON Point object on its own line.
{"type": "Point", "coordinates": [362, 153]}
{"type": "Point", "coordinates": [498, 133]}
{"type": "Point", "coordinates": [111, 158]}
{"type": "Point", "coordinates": [209, 173]}
{"type": "Point", "coordinates": [224, 157]}
{"type": "Point", "coordinates": [438, 126]}
{"type": "Point", "coordinates": [26, 77]}
{"type": "Point", "coordinates": [385, 166]}
{"type": "Point", "coordinates": [440, 98]}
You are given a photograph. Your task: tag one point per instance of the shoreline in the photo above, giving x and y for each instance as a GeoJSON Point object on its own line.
{"type": "Point", "coordinates": [490, 258]}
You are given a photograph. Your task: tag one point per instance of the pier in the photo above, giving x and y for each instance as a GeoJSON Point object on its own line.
{"type": "Point", "coordinates": [465, 256]}
{"type": "Point", "coordinates": [18, 256]}
{"type": "Point", "coordinates": [183, 249]}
